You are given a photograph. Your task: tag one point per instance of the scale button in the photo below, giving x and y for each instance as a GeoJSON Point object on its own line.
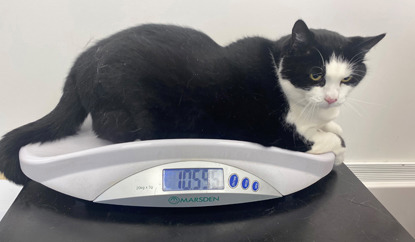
{"type": "Point", "coordinates": [233, 180]}
{"type": "Point", "coordinates": [245, 183]}
{"type": "Point", "coordinates": [255, 186]}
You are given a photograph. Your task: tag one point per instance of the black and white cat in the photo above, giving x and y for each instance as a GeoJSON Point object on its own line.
{"type": "Point", "coordinates": [162, 82]}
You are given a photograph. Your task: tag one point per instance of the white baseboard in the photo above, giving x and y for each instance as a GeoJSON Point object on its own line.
{"type": "Point", "coordinates": [384, 173]}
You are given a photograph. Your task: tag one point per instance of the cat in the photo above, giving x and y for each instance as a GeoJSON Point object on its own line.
{"type": "Point", "coordinates": [163, 81]}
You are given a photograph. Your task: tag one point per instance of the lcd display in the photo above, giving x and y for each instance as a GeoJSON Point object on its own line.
{"type": "Point", "coordinates": [193, 179]}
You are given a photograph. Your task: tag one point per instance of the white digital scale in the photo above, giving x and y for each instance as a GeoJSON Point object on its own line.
{"type": "Point", "coordinates": [170, 173]}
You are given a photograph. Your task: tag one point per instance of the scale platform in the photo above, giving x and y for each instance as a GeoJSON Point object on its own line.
{"type": "Point", "coordinates": [170, 173]}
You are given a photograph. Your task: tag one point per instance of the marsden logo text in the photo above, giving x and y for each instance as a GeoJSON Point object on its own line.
{"type": "Point", "coordinates": [177, 200]}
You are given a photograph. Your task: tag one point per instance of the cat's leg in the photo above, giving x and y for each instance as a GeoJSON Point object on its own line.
{"type": "Point", "coordinates": [146, 126]}
{"type": "Point", "coordinates": [324, 142]}
{"type": "Point", "coordinates": [114, 125]}
{"type": "Point", "coordinates": [333, 127]}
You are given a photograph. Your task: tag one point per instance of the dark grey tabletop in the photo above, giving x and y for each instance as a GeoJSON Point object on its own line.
{"type": "Point", "coordinates": [337, 208]}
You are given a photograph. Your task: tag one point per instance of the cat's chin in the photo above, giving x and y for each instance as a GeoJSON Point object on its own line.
{"type": "Point", "coordinates": [328, 114]}
{"type": "Point", "coordinates": [330, 106]}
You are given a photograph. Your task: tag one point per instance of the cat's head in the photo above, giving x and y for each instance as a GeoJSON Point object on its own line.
{"type": "Point", "coordinates": [320, 67]}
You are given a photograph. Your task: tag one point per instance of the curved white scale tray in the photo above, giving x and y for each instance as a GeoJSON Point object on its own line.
{"type": "Point", "coordinates": [87, 167]}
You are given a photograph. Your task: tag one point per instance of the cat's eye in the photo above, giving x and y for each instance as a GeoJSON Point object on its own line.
{"type": "Point", "coordinates": [346, 79]}
{"type": "Point", "coordinates": [315, 77]}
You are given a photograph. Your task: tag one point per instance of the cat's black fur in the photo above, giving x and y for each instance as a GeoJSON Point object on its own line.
{"type": "Point", "coordinates": [163, 81]}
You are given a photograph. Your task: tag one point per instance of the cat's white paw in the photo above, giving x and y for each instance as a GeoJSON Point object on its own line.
{"type": "Point", "coordinates": [339, 157]}
{"type": "Point", "coordinates": [333, 127]}
{"type": "Point", "coordinates": [325, 142]}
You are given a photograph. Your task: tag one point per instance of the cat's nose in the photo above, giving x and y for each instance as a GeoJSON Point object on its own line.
{"type": "Point", "coordinates": [330, 100]}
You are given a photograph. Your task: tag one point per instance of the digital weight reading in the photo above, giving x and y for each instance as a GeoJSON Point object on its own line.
{"type": "Point", "coordinates": [193, 179]}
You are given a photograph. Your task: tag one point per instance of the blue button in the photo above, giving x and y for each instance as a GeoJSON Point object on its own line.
{"type": "Point", "coordinates": [255, 186]}
{"type": "Point", "coordinates": [233, 180]}
{"type": "Point", "coordinates": [245, 183]}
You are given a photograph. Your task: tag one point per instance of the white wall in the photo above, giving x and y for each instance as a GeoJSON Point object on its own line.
{"type": "Point", "coordinates": [39, 40]}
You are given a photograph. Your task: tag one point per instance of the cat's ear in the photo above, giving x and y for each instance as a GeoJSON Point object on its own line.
{"type": "Point", "coordinates": [364, 44]}
{"type": "Point", "coordinates": [301, 36]}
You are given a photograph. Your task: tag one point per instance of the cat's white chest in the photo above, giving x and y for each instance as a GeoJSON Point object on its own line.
{"type": "Point", "coordinates": [303, 118]}
{"type": "Point", "coordinates": [319, 127]}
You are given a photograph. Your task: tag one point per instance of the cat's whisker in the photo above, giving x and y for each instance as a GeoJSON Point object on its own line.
{"type": "Point", "coordinates": [303, 111]}
{"type": "Point", "coordinates": [364, 102]}
{"type": "Point", "coordinates": [310, 112]}
{"type": "Point", "coordinates": [360, 75]}
{"type": "Point", "coordinates": [356, 62]}
{"type": "Point", "coordinates": [361, 71]}
{"type": "Point", "coordinates": [352, 61]}
{"type": "Point", "coordinates": [322, 59]}
{"type": "Point", "coordinates": [318, 67]}
{"type": "Point", "coordinates": [315, 108]}
{"type": "Point", "coordinates": [348, 104]}
{"type": "Point", "coordinates": [357, 74]}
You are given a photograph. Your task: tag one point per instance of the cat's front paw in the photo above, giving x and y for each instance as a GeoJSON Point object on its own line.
{"type": "Point", "coordinates": [333, 127]}
{"type": "Point", "coordinates": [325, 142]}
{"type": "Point", "coordinates": [339, 157]}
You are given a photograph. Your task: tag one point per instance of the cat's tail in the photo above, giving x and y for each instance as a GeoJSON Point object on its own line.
{"type": "Point", "coordinates": [63, 121]}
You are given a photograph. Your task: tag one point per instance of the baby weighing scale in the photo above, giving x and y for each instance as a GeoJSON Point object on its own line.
{"type": "Point", "coordinates": [170, 173]}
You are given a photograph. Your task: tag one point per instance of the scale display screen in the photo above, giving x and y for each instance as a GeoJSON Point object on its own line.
{"type": "Point", "coordinates": [193, 179]}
